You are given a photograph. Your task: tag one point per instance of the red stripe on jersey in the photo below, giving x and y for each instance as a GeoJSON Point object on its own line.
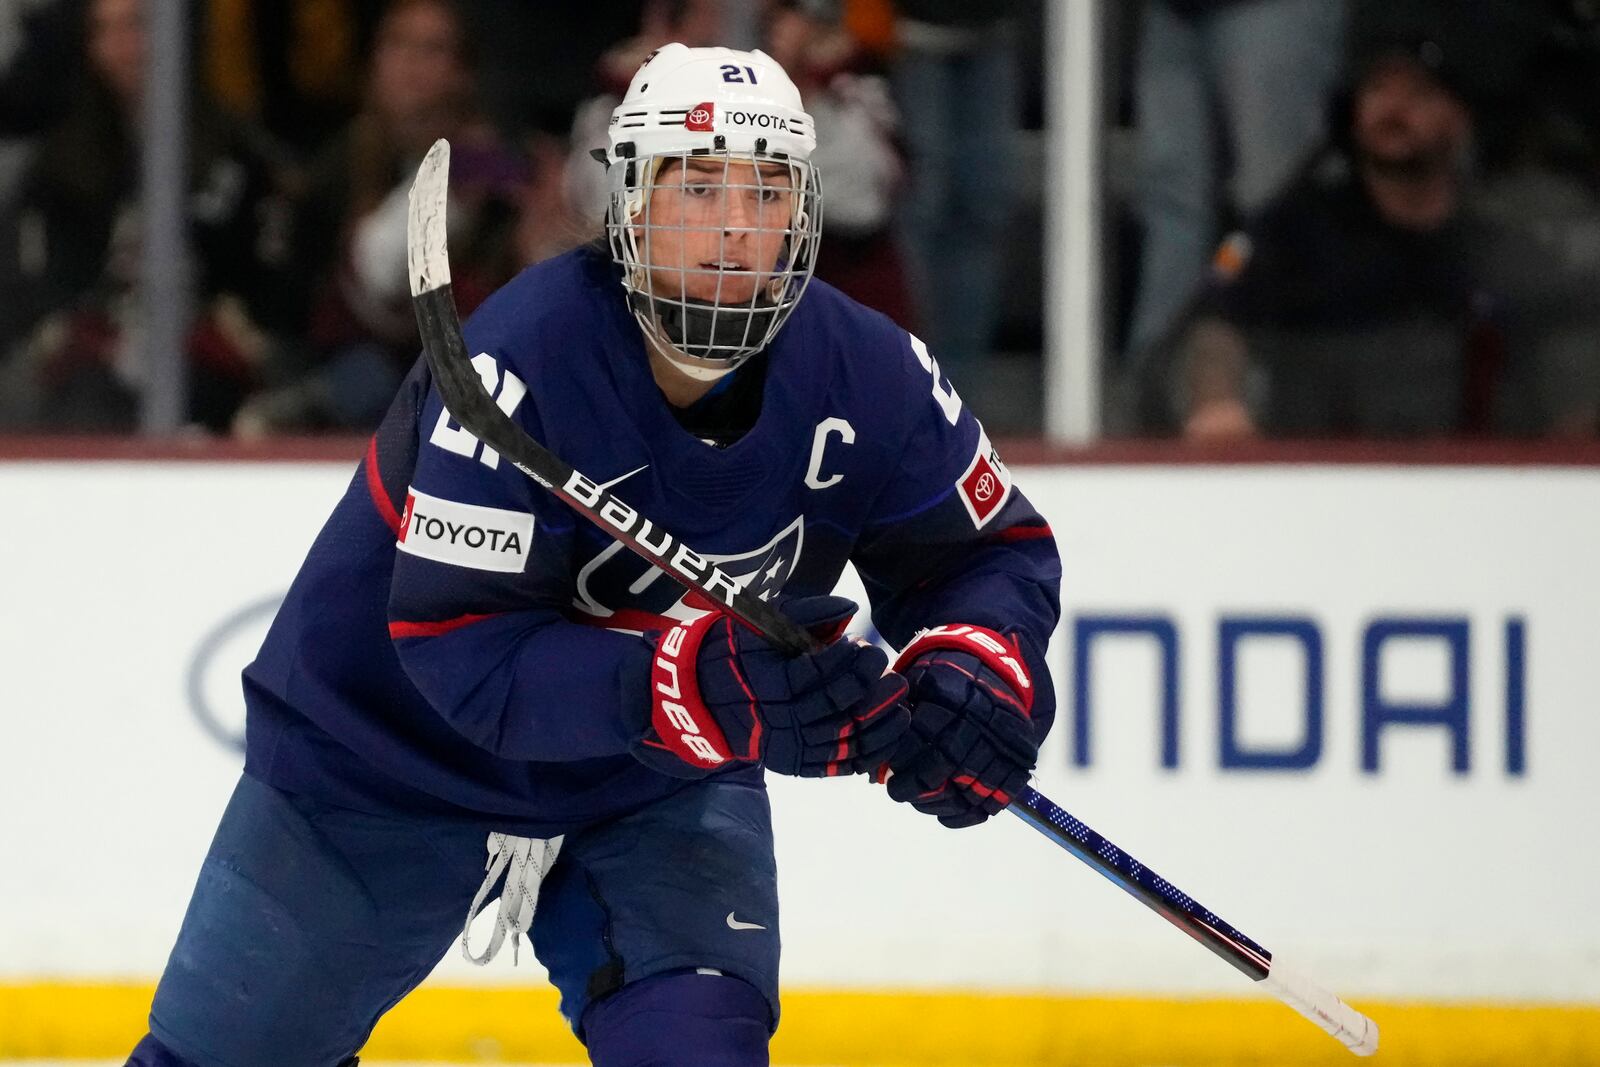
{"type": "Point", "coordinates": [434, 629]}
{"type": "Point", "coordinates": [626, 619]}
{"type": "Point", "coordinates": [1022, 533]}
{"type": "Point", "coordinates": [380, 496]}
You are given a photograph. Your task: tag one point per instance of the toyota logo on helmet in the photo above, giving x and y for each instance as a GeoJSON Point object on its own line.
{"type": "Point", "coordinates": [700, 118]}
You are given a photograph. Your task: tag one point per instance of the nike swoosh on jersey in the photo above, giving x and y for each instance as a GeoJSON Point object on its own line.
{"type": "Point", "coordinates": [735, 924]}
{"type": "Point", "coordinates": [622, 477]}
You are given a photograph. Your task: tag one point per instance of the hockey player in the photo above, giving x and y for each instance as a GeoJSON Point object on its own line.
{"type": "Point", "coordinates": [462, 655]}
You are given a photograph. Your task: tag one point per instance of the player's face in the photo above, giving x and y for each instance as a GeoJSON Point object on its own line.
{"type": "Point", "coordinates": [715, 228]}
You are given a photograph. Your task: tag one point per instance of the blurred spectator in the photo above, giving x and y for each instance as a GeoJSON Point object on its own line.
{"type": "Point", "coordinates": [292, 67]}
{"type": "Point", "coordinates": [955, 79]}
{"type": "Point", "coordinates": [537, 59]}
{"type": "Point", "coordinates": [870, 22]}
{"type": "Point", "coordinates": [696, 23]}
{"type": "Point", "coordinates": [41, 58]}
{"type": "Point", "coordinates": [1541, 208]}
{"type": "Point", "coordinates": [70, 262]}
{"type": "Point", "coordinates": [1223, 87]}
{"type": "Point", "coordinates": [1373, 299]}
{"type": "Point", "coordinates": [1541, 258]}
{"type": "Point", "coordinates": [351, 226]}
{"type": "Point", "coordinates": [862, 172]}
{"type": "Point", "coordinates": [1490, 45]}
{"type": "Point", "coordinates": [41, 55]}
{"type": "Point", "coordinates": [548, 225]}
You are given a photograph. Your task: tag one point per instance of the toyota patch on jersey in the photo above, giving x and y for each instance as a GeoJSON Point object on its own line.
{"type": "Point", "coordinates": [466, 535]}
{"type": "Point", "coordinates": [986, 483]}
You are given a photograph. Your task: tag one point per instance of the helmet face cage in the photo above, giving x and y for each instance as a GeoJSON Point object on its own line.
{"type": "Point", "coordinates": [716, 248]}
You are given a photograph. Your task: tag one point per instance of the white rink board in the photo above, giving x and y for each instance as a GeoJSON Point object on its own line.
{"type": "Point", "coordinates": [1410, 882]}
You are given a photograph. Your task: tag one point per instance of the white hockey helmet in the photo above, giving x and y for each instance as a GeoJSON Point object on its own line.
{"type": "Point", "coordinates": [714, 267]}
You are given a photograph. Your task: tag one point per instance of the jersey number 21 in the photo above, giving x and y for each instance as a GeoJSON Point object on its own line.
{"type": "Point", "coordinates": [507, 390]}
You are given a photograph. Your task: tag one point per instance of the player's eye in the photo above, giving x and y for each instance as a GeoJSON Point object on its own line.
{"type": "Point", "coordinates": [698, 189]}
{"type": "Point", "coordinates": [767, 195]}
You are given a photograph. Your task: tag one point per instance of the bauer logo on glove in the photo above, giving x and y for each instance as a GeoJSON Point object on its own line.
{"type": "Point", "coordinates": [973, 739]}
{"type": "Point", "coordinates": [721, 695]}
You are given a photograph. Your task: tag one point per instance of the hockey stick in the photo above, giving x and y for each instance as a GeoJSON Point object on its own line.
{"type": "Point", "coordinates": [469, 403]}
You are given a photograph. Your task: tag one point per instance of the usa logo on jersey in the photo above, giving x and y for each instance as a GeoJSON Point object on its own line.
{"type": "Point", "coordinates": [620, 591]}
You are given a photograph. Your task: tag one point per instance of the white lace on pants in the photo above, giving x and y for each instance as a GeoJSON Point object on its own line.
{"type": "Point", "coordinates": [524, 861]}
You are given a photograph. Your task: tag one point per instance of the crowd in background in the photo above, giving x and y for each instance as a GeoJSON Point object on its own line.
{"type": "Point", "coordinates": [1334, 218]}
{"type": "Point", "coordinates": [1406, 244]}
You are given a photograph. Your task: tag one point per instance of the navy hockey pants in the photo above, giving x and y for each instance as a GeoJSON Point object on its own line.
{"type": "Point", "coordinates": [308, 922]}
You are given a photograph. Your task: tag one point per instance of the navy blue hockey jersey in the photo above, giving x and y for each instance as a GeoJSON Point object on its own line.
{"type": "Point", "coordinates": [453, 643]}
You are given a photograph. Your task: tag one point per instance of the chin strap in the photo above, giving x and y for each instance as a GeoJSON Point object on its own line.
{"type": "Point", "coordinates": [697, 330]}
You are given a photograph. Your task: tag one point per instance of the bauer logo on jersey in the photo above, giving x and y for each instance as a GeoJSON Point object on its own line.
{"type": "Point", "coordinates": [700, 117]}
{"type": "Point", "coordinates": [986, 484]}
{"type": "Point", "coordinates": [465, 535]}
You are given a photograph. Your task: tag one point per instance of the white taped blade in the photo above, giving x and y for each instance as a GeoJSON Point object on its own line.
{"type": "Point", "coordinates": [1349, 1027]}
{"type": "Point", "coordinates": [427, 243]}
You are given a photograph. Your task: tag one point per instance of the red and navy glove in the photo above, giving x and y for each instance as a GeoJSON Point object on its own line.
{"type": "Point", "coordinates": [721, 695]}
{"type": "Point", "coordinates": [972, 740]}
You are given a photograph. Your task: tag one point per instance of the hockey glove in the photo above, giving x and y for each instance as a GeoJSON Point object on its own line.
{"type": "Point", "coordinates": [972, 742]}
{"type": "Point", "coordinates": [721, 695]}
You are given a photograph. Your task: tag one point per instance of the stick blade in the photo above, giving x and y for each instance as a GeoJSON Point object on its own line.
{"type": "Point", "coordinates": [427, 244]}
{"type": "Point", "coordinates": [1339, 1020]}
{"type": "Point", "coordinates": [464, 392]}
